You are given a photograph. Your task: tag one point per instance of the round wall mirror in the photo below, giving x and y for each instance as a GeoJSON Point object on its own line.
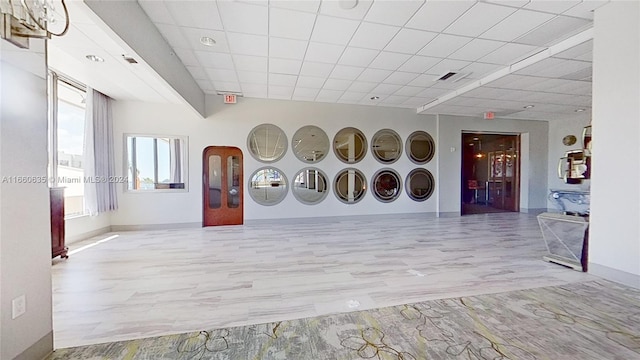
{"type": "Point", "coordinates": [310, 144]}
{"type": "Point", "coordinates": [268, 186]}
{"type": "Point", "coordinates": [386, 185]}
{"type": "Point", "coordinates": [350, 186]}
{"type": "Point", "coordinates": [386, 146]}
{"type": "Point", "coordinates": [310, 186]}
{"type": "Point", "coordinates": [420, 184]}
{"type": "Point", "coordinates": [420, 147]}
{"type": "Point", "coordinates": [350, 145]}
{"type": "Point", "coordinates": [267, 143]}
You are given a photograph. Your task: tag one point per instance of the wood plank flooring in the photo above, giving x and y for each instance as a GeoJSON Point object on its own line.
{"type": "Point", "coordinates": [146, 283]}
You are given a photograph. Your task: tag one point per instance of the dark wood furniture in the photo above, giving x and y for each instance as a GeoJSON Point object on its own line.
{"type": "Point", "coordinates": [57, 223]}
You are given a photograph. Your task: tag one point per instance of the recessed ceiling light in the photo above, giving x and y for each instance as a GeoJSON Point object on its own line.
{"type": "Point", "coordinates": [579, 110]}
{"type": "Point", "coordinates": [205, 40]}
{"type": "Point", "coordinates": [95, 58]}
{"type": "Point", "coordinates": [375, 97]}
{"type": "Point", "coordinates": [347, 4]}
{"type": "Point", "coordinates": [529, 106]}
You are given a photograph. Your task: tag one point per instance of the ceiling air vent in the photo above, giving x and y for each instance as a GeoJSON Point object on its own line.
{"type": "Point", "coordinates": [129, 59]}
{"type": "Point", "coordinates": [453, 76]}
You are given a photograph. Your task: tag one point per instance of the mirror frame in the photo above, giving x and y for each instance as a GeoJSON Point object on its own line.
{"type": "Point", "coordinates": [252, 135]}
{"type": "Point", "coordinates": [357, 132]}
{"type": "Point", "coordinates": [374, 181]}
{"type": "Point", "coordinates": [250, 187]}
{"type": "Point", "coordinates": [430, 191]}
{"type": "Point", "coordinates": [297, 139]}
{"type": "Point", "coordinates": [431, 153]}
{"type": "Point", "coordinates": [335, 187]}
{"type": "Point", "coordinates": [376, 137]}
{"type": "Point", "coordinates": [324, 194]}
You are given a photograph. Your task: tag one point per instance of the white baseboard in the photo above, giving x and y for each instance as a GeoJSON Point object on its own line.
{"type": "Point", "coordinates": [84, 236]}
{"type": "Point", "coordinates": [615, 275]}
{"type": "Point", "coordinates": [146, 227]}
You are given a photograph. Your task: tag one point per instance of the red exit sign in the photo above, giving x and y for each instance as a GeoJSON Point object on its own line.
{"type": "Point", "coordinates": [230, 99]}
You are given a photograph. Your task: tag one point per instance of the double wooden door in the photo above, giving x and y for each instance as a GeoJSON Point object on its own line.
{"type": "Point", "coordinates": [222, 186]}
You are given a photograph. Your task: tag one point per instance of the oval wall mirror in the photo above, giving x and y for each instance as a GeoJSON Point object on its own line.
{"type": "Point", "coordinates": [420, 147]}
{"type": "Point", "coordinates": [420, 184]}
{"type": "Point", "coordinates": [310, 186]}
{"type": "Point", "coordinates": [350, 186]}
{"type": "Point", "coordinates": [267, 143]}
{"type": "Point", "coordinates": [350, 145]}
{"type": "Point", "coordinates": [310, 144]}
{"type": "Point", "coordinates": [386, 146]}
{"type": "Point", "coordinates": [386, 185]}
{"type": "Point", "coordinates": [268, 186]}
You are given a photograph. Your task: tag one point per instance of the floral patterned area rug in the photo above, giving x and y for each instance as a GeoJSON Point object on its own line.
{"type": "Point", "coordinates": [591, 320]}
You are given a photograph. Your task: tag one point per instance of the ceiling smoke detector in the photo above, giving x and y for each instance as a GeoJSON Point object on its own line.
{"type": "Point", "coordinates": [348, 4]}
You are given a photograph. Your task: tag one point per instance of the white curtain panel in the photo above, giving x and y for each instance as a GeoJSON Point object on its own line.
{"type": "Point", "coordinates": [99, 166]}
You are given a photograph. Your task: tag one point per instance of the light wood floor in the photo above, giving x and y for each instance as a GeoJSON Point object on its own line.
{"type": "Point", "coordinates": [146, 283]}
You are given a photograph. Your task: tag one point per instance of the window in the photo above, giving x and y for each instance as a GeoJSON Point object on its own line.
{"type": "Point", "coordinates": [67, 118]}
{"type": "Point", "coordinates": [156, 162]}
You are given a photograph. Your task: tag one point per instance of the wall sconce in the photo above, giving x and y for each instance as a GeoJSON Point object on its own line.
{"type": "Point", "coordinates": [24, 19]}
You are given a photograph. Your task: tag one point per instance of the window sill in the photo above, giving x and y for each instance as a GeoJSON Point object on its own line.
{"type": "Point", "coordinates": [75, 216]}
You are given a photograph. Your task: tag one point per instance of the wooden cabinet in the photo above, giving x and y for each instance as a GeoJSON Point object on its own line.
{"type": "Point", "coordinates": [57, 223]}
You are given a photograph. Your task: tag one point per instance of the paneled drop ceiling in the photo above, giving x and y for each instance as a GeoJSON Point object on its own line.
{"type": "Point", "coordinates": [388, 52]}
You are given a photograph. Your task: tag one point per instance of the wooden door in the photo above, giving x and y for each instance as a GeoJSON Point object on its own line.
{"type": "Point", "coordinates": [222, 191]}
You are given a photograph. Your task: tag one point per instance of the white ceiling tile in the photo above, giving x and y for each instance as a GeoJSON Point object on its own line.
{"type": "Point", "coordinates": [424, 81]}
{"type": "Point", "coordinates": [250, 63]}
{"type": "Point", "coordinates": [416, 101]}
{"type": "Point", "coordinates": [333, 8]}
{"type": "Point", "coordinates": [476, 49]}
{"type": "Point", "coordinates": [307, 93]}
{"type": "Point", "coordinates": [197, 72]}
{"type": "Point", "coordinates": [585, 9]}
{"type": "Point", "coordinates": [254, 90]}
{"type": "Point", "coordinates": [284, 66]}
{"type": "Point", "coordinates": [479, 70]}
{"type": "Point", "coordinates": [513, 81]}
{"type": "Point", "coordinates": [419, 64]}
{"type": "Point", "coordinates": [337, 84]}
{"type": "Point", "coordinates": [206, 85]}
{"type": "Point", "coordinates": [287, 48]}
{"type": "Point", "coordinates": [310, 82]}
{"type": "Point", "coordinates": [334, 30]}
{"type": "Point", "coordinates": [352, 96]}
{"type": "Point", "coordinates": [410, 41]}
{"type": "Point", "coordinates": [578, 52]}
{"type": "Point", "coordinates": [252, 77]}
{"type": "Point", "coordinates": [374, 75]}
{"type": "Point", "coordinates": [306, 5]}
{"type": "Point", "coordinates": [447, 65]}
{"type": "Point", "coordinates": [357, 56]}
{"type": "Point", "coordinates": [452, 85]}
{"type": "Point", "coordinates": [444, 45]}
{"type": "Point", "coordinates": [510, 53]}
{"type": "Point", "coordinates": [157, 11]}
{"type": "Point", "coordinates": [280, 92]}
{"type": "Point", "coordinates": [362, 86]}
{"type": "Point", "coordinates": [196, 14]}
{"type": "Point", "coordinates": [227, 86]}
{"type": "Point", "coordinates": [432, 93]}
{"type": "Point", "coordinates": [385, 89]}
{"type": "Point", "coordinates": [553, 31]}
{"type": "Point", "coordinates": [215, 60]}
{"type": "Point", "coordinates": [326, 95]}
{"type": "Point", "coordinates": [243, 17]}
{"type": "Point", "coordinates": [409, 90]}
{"type": "Point", "coordinates": [187, 57]}
{"type": "Point", "coordinates": [400, 78]}
{"type": "Point", "coordinates": [316, 69]}
{"type": "Point", "coordinates": [346, 72]}
{"type": "Point", "coordinates": [393, 12]}
{"type": "Point", "coordinates": [282, 79]}
{"type": "Point", "coordinates": [245, 44]}
{"type": "Point", "coordinates": [437, 15]}
{"type": "Point", "coordinates": [389, 60]}
{"type": "Point", "coordinates": [516, 25]}
{"type": "Point", "coordinates": [555, 7]}
{"type": "Point", "coordinates": [479, 19]}
{"type": "Point", "coordinates": [554, 68]}
{"type": "Point", "coordinates": [326, 53]}
{"type": "Point", "coordinates": [373, 36]}
{"type": "Point", "coordinates": [574, 87]}
{"type": "Point", "coordinates": [193, 35]}
{"type": "Point", "coordinates": [221, 75]}
{"type": "Point", "coordinates": [291, 24]}
{"type": "Point", "coordinates": [512, 3]}
{"type": "Point", "coordinates": [172, 34]}
{"type": "Point", "coordinates": [396, 99]}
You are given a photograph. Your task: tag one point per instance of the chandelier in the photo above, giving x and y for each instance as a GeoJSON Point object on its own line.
{"type": "Point", "coordinates": [24, 19]}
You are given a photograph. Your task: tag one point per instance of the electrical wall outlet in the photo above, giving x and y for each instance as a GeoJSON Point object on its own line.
{"type": "Point", "coordinates": [18, 306]}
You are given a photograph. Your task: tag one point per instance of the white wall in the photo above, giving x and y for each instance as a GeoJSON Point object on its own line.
{"type": "Point", "coordinates": [229, 125]}
{"type": "Point", "coordinates": [84, 227]}
{"type": "Point", "coordinates": [450, 136]}
{"type": "Point", "coordinates": [25, 232]}
{"type": "Point", "coordinates": [614, 250]}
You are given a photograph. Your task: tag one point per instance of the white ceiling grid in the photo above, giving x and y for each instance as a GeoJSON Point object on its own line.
{"type": "Point", "coordinates": [393, 50]}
